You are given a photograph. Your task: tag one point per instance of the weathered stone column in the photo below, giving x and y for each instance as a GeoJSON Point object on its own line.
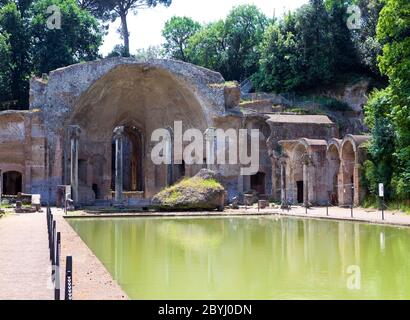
{"type": "Point", "coordinates": [169, 156]}
{"type": "Point", "coordinates": [118, 138]}
{"type": "Point", "coordinates": [306, 161]}
{"type": "Point", "coordinates": [305, 185]}
{"type": "Point", "coordinates": [210, 138]}
{"type": "Point", "coordinates": [356, 184]}
{"type": "Point", "coordinates": [75, 132]}
{"type": "Point", "coordinates": [1, 185]}
{"type": "Point", "coordinates": [283, 195]}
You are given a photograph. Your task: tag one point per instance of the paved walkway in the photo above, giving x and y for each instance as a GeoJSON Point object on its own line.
{"type": "Point", "coordinates": [91, 280]}
{"type": "Point", "coordinates": [336, 213]}
{"type": "Point", "coordinates": [24, 258]}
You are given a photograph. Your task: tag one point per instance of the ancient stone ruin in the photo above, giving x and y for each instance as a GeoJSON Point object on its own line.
{"type": "Point", "coordinates": [90, 125]}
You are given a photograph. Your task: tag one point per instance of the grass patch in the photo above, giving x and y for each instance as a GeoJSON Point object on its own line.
{"type": "Point", "coordinates": [231, 84]}
{"type": "Point", "coordinates": [190, 194]}
{"type": "Point", "coordinates": [226, 84]}
{"type": "Point", "coordinates": [303, 111]}
{"type": "Point", "coordinates": [195, 183]}
{"type": "Point", "coordinates": [374, 203]}
{"type": "Point", "coordinates": [323, 103]}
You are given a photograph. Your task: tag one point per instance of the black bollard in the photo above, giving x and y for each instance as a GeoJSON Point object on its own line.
{"type": "Point", "coordinates": [53, 244]}
{"type": "Point", "coordinates": [57, 268]}
{"type": "Point", "coordinates": [69, 279]}
{"type": "Point", "coordinates": [351, 209]}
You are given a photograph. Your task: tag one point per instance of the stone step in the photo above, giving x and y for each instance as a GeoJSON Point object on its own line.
{"type": "Point", "coordinates": [128, 202]}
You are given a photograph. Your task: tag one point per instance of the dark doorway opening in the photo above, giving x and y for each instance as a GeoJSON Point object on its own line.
{"type": "Point", "coordinates": [12, 183]}
{"type": "Point", "coordinates": [96, 191]}
{"type": "Point", "coordinates": [179, 172]}
{"type": "Point", "coordinates": [258, 182]}
{"type": "Point", "coordinates": [133, 179]}
{"type": "Point", "coordinates": [299, 185]}
{"type": "Point", "coordinates": [334, 200]}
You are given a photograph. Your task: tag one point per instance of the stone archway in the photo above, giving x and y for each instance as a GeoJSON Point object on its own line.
{"type": "Point", "coordinates": [141, 100]}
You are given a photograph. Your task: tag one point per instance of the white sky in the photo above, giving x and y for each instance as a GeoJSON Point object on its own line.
{"type": "Point", "coordinates": [145, 28]}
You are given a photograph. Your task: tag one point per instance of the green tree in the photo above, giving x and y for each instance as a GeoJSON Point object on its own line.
{"type": "Point", "coordinates": [244, 29]}
{"type": "Point", "coordinates": [13, 22]}
{"type": "Point", "coordinates": [313, 29]}
{"type": "Point", "coordinates": [207, 47]}
{"type": "Point", "coordinates": [230, 46]}
{"type": "Point", "coordinates": [5, 69]}
{"type": "Point", "coordinates": [301, 51]}
{"type": "Point", "coordinates": [365, 39]}
{"type": "Point", "coordinates": [77, 40]}
{"type": "Point", "coordinates": [101, 9]}
{"type": "Point", "coordinates": [152, 52]}
{"type": "Point", "coordinates": [177, 32]}
{"type": "Point", "coordinates": [113, 9]}
{"type": "Point", "coordinates": [393, 32]}
{"type": "Point", "coordinates": [117, 51]}
{"type": "Point", "coordinates": [343, 47]}
{"type": "Point", "coordinates": [379, 168]}
{"type": "Point", "coordinates": [280, 64]}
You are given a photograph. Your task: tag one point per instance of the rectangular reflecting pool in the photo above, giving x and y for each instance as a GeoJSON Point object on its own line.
{"type": "Point", "coordinates": [251, 258]}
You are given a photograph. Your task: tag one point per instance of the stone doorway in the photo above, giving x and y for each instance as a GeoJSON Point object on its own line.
{"type": "Point", "coordinates": [12, 183]}
{"type": "Point", "coordinates": [334, 197]}
{"type": "Point", "coordinates": [300, 192]}
{"type": "Point", "coordinates": [258, 182]}
{"type": "Point", "coordinates": [133, 178]}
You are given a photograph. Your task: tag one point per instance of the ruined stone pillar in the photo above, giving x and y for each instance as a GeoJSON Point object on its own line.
{"type": "Point", "coordinates": [240, 184]}
{"type": "Point", "coordinates": [74, 138]}
{"type": "Point", "coordinates": [305, 185]}
{"type": "Point", "coordinates": [306, 162]}
{"type": "Point", "coordinates": [169, 156]}
{"type": "Point", "coordinates": [1, 185]}
{"type": "Point", "coordinates": [356, 184]}
{"type": "Point", "coordinates": [118, 138]}
{"type": "Point", "coordinates": [283, 182]}
{"type": "Point", "coordinates": [210, 138]}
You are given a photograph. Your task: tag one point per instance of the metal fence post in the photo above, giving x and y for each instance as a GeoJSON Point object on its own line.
{"type": "Point", "coordinates": [57, 268]}
{"type": "Point", "coordinates": [69, 279]}
{"type": "Point", "coordinates": [53, 246]}
{"type": "Point", "coordinates": [351, 213]}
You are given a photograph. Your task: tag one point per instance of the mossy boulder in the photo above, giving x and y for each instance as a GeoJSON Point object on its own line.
{"type": "Point", "coordinates": [191, 194]}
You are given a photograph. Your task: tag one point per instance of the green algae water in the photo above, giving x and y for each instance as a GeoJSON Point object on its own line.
{"type": "Point", "coordinates": [251, 258]}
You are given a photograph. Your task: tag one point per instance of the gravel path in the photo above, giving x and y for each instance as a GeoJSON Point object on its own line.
{"type": "Point", "coordinates": [24, 258]}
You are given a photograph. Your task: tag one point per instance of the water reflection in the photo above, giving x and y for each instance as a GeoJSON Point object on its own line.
{"type": "Point", "coordinates": [250, 258]}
